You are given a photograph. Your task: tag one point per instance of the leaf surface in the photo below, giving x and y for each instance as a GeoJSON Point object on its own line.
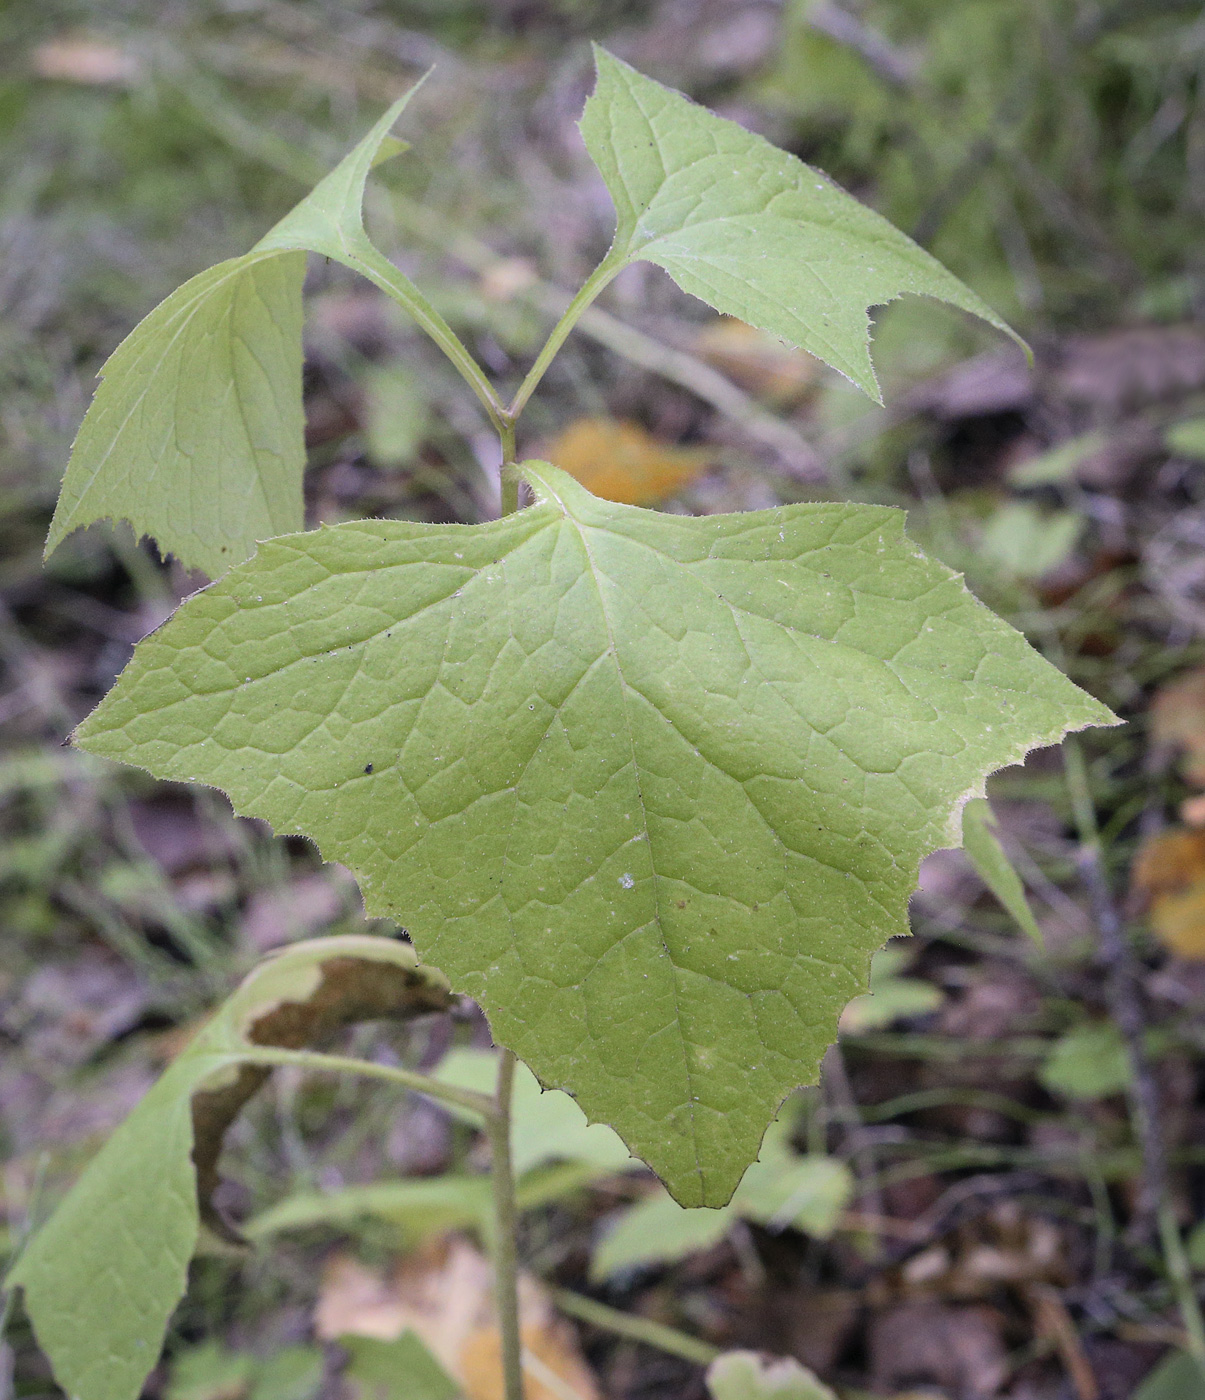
{"type": "Point", "coordinates": [745, 1375]}
{"type": "Point", "coordinates": [196, 433]}
{"type": "Point", "coordinates": [102, 1277]}
{"type": "Point", "coordinates": [749, 229]}
{"type": "Point", "coordinates": [651, 788]}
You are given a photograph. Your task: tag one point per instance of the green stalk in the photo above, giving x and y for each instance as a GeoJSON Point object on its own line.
{"type": "Point", "coordinates": [1179, 1273]}
{"type": "Point", "coordinates": [506, 1219]}
{"type": "Point", "coordinates": [636, 1329]}
{"type": "Point", "coordinates": [508, 478]}
{"type": "Point", "coordinates": [609, 268]}
{"type": "Point", "coordinates": [345, 1064]}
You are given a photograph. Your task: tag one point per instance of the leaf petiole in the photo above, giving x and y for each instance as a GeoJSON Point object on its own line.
{"type": "Point", "coordinates": [603, 274]}
{"type": "Point", "coordinates": [345, 1064]}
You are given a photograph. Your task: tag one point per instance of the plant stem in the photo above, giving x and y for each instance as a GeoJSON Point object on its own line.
{"type": "Point", "coordinates": [345, 1064]}
{"type": "Point", "coordinates": [509, 481]}
{"type": "Point", "coordinates": [637, 1329]}
{"type": "Point", "coordinates": [609, 268]}
{"type": "Point", "coordinates": [1179, 1273]}
{"type": "Point", "coordinates": [506, 1215]}
{"type": "Point", "coordinates": [1154, 1205]}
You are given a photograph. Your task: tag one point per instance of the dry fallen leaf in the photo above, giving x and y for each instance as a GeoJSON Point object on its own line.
{"type": "Point", "coordinates": [621, 462]}
{"type": "Point", "coordinates": [1169, 879]}
{"type": "Point", "coordinates": [79, 59]}
{"type": "Point", "coordinates": [756, 361]}
{"type": "Point", "coordinates": [1178, 719]}
{"type": "Point", "coordinates": [444, 1293]}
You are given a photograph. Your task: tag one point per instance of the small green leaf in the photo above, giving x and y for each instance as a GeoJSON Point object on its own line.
{"type": "Point", "coordinates": [745, 1375]}
{"type": "Point", "coordinates": [891, 996]}
{"type": "Point", "coordinates": [993, 866]}
{"type": "Point", "coordinates": [102, 1277]}
{"type": "Point", "coordinates": [749, 229]}
{"type": "Point", "coordinates": [1027, 542]}
{"type": "Point", "coordinates": [1089, 1062]}
{"type": "Point", "coordinates": [658, 1231]}
{"type": "Point", "coordinates": [651, 788]}
{"type": "Point", "coordinates": [1056, 467]}
{"type": "Point", "coordinates": [209, 1372]}
{"type": "Point", "coordinates": [546, 1125]}
{"type": "Point", "coordinates": [418, 1207]}
{"type": "Point", "coordinates": [402, 1369]}
{"type": "Point", "coordinates": [196, 433]}
{"type": "Point", "coordinates": [1177, 1377]}
{"type": "Point", "coordinates": [803, 1193]}
{"type": "Point", "coordinates": [1187, 438]}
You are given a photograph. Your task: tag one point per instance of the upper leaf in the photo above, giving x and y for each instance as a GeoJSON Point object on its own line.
{"type": "Point", "coordinates": [104, 1274]}
{"type": "Point", "coordinates": [748, 228]}
{"type": "Point", "coordinates": [196, 433]}
{"type": "Point", "coordinates": [652, 788]}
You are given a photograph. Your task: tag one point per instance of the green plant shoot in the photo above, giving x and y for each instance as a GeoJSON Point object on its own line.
{"type": "Point", "coordinates": [652, 789]}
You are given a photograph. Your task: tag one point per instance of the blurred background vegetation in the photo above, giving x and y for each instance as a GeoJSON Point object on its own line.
{"type": "Point", "coordinates": [1001, 1237]}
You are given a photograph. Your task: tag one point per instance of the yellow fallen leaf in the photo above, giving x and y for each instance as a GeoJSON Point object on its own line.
{"type": "Point", "coordinates": [444, 1293]}
{"type": "Point", "coordinates": [1178, 719]}
{"type": "Point", "coordinates": [756, 361]}
{"type": "Point", "coordinates": [621, 462]}
{"type": "Point", "coordinates": [1169, 877]}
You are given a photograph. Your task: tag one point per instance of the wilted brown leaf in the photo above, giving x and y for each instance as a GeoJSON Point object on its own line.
{"type": "Point", "coordinates": [621, 462]}
{"type": "Point", "coordinates": [444, 1294]}
{"type": "Point", "coordinates": [1178, 720]}
{"type": "Point", "coordinates": [80, 59]}
{"type": "Point", "coordinates": [340, 981]}
{"type": "Point", "coordinates": [1168, 879]}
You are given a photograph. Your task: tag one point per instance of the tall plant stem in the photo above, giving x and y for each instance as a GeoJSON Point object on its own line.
{"type": "Point", "coordinates": [1154, 1207]}
{"type": "Point", "coordinates": [506, 1215]}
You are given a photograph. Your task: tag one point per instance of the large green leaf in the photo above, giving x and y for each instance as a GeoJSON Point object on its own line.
{"type": "Point", "coordinates": [748, 228]}
{"type": "Point", "coordinates": [652, 788]}
{"type": "Point", "coordinates": [196, 433]}
{"type": "Point", "coordinates": [104, 1274]}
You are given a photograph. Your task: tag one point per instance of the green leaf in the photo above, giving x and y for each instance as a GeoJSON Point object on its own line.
{"type": "Point", "coordinates": [744, 1375]}
{"type": "Point", "coordinates": [993, 866]}
{"type": "Point", "coordinates": [781, 1189]}
{"type": "Point", "coordinates": [418, 1207]}
{"type": "Point", "coordinates": [651, 788]}
{"type": "Point", "coordinates": [805, 1193]}
{"type": "Point", "coordinates": [891, 996]}
{"type": "Point", "coordinates": [209, 1372]}
{"type": "Point", "coordinates": [104, 1274]}
{"type": "Point", "coordinates": [658, 1231]}
{"type": "Point", "coordinates": [1177, 1377]}
{"type": "Point", "coordinates": [402, 1369]}
{"type": "Point", "coordinates": [1089, 1062]}
{"type": "Point", "coordinates": [196, 433]}
{"type": "Point", "coordinates": [546, 1125]}
{"type": "Point", "coordinates": [1187, 438]}
{"type": "Point", "coordinates": [749, 229]}
{"type": "Point", "coordinates": [1027, 542]}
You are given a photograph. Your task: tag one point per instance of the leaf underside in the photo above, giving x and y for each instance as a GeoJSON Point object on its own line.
{"type": "Point", "coordinates": [103, 1276]}
{"type": "Point", "coordinates": [651, 788]}
{"type": "Point", "coordinates": [750, 229]}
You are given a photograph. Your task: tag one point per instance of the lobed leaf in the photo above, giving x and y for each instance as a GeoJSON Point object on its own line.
{"type": "Point", "coordinates": [651, 788]}
{"type": "Point", "coordinates": [750, 229]}
{"type": "Point", "coordinates": [103, 1276]}
{"type": "Point", "coordinates": [196, 433]}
